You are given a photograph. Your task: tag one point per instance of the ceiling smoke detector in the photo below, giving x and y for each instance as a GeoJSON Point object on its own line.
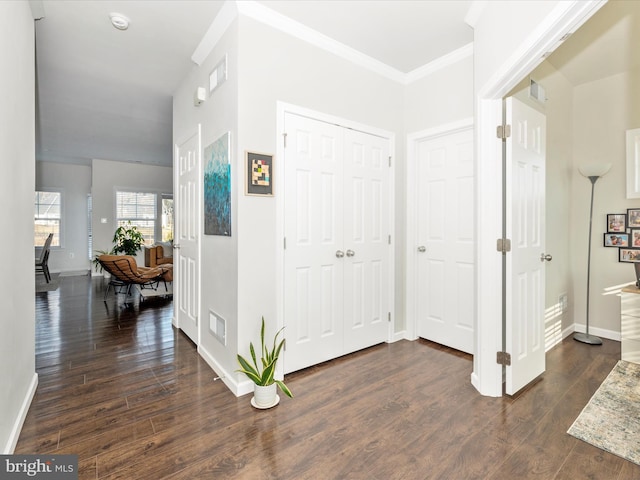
{"type": "Point", "coordinates": [119, 21]}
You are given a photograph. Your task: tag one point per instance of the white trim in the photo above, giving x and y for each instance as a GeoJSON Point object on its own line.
{"type": "Point", "coordinates": [438, 64]}
{"type": "Point", "coordinates": [252, 9]}
{"type": "Point", "coordinates": [411, 296]}
{"type": "Point", "coordinates": [218, 27]}
{"type": "Point", "coordinates": [259, 12]}
{"type": "Point", "coordinates": [565, 18]}
{"type": "Point", "coordinates": [282, 109]}
{"type": "Point", "coordinates": [598, 332]}
{"type": "Point", "coordinates": [474, 12]}
{"type": "Point", "coordinates": [228, 378]}
{"type": "Point", "coordinates": [12, 441]}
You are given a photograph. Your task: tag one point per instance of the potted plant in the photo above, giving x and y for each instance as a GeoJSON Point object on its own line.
{"type": "Point", "coordinates": [127, 239]}
{"type": "Point", "coordinates": [263, 376]}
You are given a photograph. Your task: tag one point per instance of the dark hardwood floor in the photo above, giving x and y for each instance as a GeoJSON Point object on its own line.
{"type": "Point", "coordinates": [130, 395]}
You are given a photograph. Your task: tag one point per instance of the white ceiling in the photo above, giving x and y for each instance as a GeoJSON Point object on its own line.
{"type": "Point", "coordinates": [104, 93]}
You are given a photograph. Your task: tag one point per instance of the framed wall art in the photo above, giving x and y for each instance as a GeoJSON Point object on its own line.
{"type": "Point", "coordinates": [616, 222]}
{"type": "Point", "coordinates": [259, 174]}
{"type": "Point", "coordinates": [629, 255]}
{"type": "Point", "coordinates": [633, 217]}
{"type": "Point", "coordinates": [634, 238]}
{"type": "Point", "coordinates": [217, 187]}
{"type": "Point", "coordinates": [616, 239]}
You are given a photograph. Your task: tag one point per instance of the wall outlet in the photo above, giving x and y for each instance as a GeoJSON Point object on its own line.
{"type": "Point", "coordinates": [71, 255]}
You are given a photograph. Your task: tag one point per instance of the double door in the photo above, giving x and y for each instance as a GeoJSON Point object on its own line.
{"type": "Point", "coordinates": [337, 274]}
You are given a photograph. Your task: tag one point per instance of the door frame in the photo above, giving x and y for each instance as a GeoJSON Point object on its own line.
{"type": "Point", "coordinates": [177, 284]}
{"type": "Point", "coordinates": [486, 376]}
{"type": "Point", "coordinates": [411, 270]}
{"type": "Point", "coordinates": [282, 109]}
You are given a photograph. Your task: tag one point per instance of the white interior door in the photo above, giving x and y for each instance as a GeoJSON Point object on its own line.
{"type": "Point", "coordinates": [525, 273]}
{"type": "Point", "coordinates": [366, 240]}
{"type": "Point", "coordinates": [187, 255]}
{"type": "Point", "coordinates": [314, 255]}
{"type": "Point", "coordinates": [336, 260]}
{"type": "Point", "coordinates": [445, 240]}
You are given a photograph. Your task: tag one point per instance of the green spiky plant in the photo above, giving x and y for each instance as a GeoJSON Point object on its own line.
{"type": "Point", "coordinates": [264, 376]}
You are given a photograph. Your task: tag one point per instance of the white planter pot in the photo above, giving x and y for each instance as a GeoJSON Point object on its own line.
{"type": "Point", "coordinates": [265, 397]}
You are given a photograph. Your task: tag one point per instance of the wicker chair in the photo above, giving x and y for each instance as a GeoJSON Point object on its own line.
{"type": "Point", "coordinates": [125, 272]}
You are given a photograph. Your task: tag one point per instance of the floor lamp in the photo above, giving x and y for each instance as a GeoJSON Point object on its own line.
{"type": "Point", "coordinates": [593, 172]}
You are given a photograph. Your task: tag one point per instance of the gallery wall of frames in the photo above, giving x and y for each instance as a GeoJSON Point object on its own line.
{"type": "Point", "coordinates": [623, 232]}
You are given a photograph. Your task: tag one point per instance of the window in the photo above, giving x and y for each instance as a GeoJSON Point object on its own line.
{"type": "Point", "coordinates": [47, 217]}
{"type": "Point", "coordinates": [140, 209]}
{"type": "Point", "coordinates": [167, 218]}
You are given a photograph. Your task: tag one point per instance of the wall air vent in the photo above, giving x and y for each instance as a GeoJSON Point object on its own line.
{"type": "Point", "coordinates": [537, 91]}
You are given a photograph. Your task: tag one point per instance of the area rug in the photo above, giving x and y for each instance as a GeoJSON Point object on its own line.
{"type": "Point", "coordinates": [43, 286]}
{"type": "Point", "coordinates": [611, 419]}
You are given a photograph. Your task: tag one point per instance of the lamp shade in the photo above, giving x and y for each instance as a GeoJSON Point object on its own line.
{"type": "Point", "coordinates": [594, 169]}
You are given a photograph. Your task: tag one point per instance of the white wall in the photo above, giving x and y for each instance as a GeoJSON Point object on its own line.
{"type": "Point", "coordinates": [109, 176]}
{"type": "Point", "coordinates": [443, 97]}
{"type": "Point", "coordinates": [219, 254]}
{"type": "Point", "coordinates": [74, 181]}
{"type": "Point", "coordinates": [277, 67]}
{"type": "Point", "coordinates": [603, 110]}
{"type": "Point", "coordinates": [18, 379]}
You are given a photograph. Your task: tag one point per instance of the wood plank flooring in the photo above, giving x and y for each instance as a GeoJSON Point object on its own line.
{"type": "Point", "coordinates": [130, 395]}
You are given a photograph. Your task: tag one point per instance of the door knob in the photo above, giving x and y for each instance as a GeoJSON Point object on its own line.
{"type": "Point", "coordinates": [350, 253]}
{"type": "Point", "coordinates": [339, 254]}
{"type": "Point", "coordinates": [546, 257]}
{"type": "Point", "coordinates": [422, 249]}
{"type": "Point", "coordinates": [176, 246]}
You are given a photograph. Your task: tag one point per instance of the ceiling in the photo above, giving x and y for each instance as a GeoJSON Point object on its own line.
{"type": "Point", "coordinates": [104, 93]}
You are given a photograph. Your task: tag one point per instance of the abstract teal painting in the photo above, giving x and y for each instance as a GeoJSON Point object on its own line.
{"type": "Point", "coordinates": [217, 187]}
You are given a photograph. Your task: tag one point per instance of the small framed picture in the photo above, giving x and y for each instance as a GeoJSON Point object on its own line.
{"type": "Point", "coordinates": [634, 238]}
{"type": "Point", "coordinates": [617, 239]}
{"type": "Point", "coordinates": [633, 217]}
{"type": "Point", "coordinates": [616, 222]}
{"type": "Point", "coordinates": [259, 176]}
{"type": "Point", "coordinates": [629, 255]}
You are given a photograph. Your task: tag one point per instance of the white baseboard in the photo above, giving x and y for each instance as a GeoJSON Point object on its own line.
{"type": "Point", "coordinates": [12, 441]}
{"type": "Point", "coordinates": [238, 389]}
{"type": "Point", "coordinates": [599, 332]}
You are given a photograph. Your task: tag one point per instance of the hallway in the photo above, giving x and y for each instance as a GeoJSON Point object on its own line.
{"type": "Point", "coordinates": [130, 395]}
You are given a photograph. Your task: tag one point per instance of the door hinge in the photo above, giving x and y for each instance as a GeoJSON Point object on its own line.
{"type": "Point", "coordinates": [285, 243]}
{"type": "Point", "coordinates": [503, 358]}
{"type": "Point", "coordinates": [503, 245]}
{"type": "Point", "coordinates": [503, 132]}
{"type": "Point", "coordinates": [284, 136]}
{"type": "Point", "coordinates": [389, 239]}
{"type": "Point", "coordinates": [389, 317]}
{"type": "Point", "coordinates": [389, 160]}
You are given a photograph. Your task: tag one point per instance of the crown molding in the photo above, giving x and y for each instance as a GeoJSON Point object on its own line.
{"type": "Point", "coordinates": [439, 64]}
{"type": "Point", "coordinates": [474, 12]}
{"type": "Point", "coordinates": [220, 24]}
{"type": "Point", "coordinates": [252, 9]}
